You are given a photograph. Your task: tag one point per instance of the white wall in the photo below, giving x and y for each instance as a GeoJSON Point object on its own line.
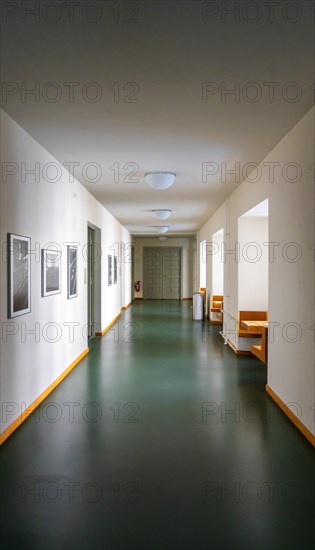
{"type": "Point", "coordinates": [292, 283]}
{"type": "Point", "coordinates": [49, 212]}
{"type": "Point", "coordinates": [291, 294]}
{"type": "Point", "coordinates": [126, 266]}
{"type": "Point", "coordinates": [253, 264]}
{"type": "Point", "coordinates": [202, 265]}
{"type": "Point", "coordinates": [217, 264]}
{"type": "Point", "coordinates": [187, 261]}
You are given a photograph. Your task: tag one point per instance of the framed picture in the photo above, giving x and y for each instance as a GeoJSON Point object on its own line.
{"type": "Point", "coordinates": [115, 269]}
{"type": "Point", "coordinates": [19, 275]}
{"type": "Point", "coordinates": [110, 270]}
{"type": "Point", "coordinates": [51, 272]}
{"type": "Point", "coordinates": [72, 264]}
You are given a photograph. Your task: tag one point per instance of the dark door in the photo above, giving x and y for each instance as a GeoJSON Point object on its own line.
{"type": "Point", "coordinates": [161, 273]}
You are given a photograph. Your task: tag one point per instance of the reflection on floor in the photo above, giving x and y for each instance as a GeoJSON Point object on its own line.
{"type": "Point", "coordinates": [161, 438]}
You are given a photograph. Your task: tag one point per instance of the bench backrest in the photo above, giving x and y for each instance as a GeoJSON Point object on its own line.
{"type": "Point", "coordinates": [252, 316]}
{"type": "Point", "coordinates": [216, 298]}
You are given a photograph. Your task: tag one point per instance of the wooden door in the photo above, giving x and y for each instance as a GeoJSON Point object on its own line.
{"type": "Point", "coordinates": [161, 273]}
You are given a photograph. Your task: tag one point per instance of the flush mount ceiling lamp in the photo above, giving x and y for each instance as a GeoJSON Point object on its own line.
{"type": "Point", "coordinates": [162, 228]}
{"type": "Point", "coordinates": [162, 214]}
{"type": "Point", "coordinates": [162, 239]}
{"type": "Point", "coordinates": [160, 180]}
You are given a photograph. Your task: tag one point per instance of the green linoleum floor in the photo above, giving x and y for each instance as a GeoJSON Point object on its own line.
{"type": "Point", "coordinates": [161, 438]}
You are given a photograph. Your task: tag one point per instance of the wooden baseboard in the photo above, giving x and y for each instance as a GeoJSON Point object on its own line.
{"type": "Point", "coordinates": [138, 298]}
{"type": "Point", "coordinates": [296, 421]}
{"type": "Point", "coordinates": [10, 429]}
{"type": "Point", "coordinates": [126, 307]}
{"type": "Point", "coordinates": [108, 326]}
{"type": "Point", "coordinates": [186, 298]}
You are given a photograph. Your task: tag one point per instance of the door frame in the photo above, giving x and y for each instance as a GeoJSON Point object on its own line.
{"type": "Point", "coordinates": [90, 281]}
{"type": "Point", "coordinates": [180, 248]}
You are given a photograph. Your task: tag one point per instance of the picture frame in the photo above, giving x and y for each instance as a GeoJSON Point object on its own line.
{"type": "Point", "coordinates": [19, 275]}
{"type": "Point", "coordinates": [115, 269]}
{"type": "Point", "coordinates": [72, 271]}
{"type": "Point", "coordinates": [51, 272]}
{"type": "Point", "coordinates": [110, 270]}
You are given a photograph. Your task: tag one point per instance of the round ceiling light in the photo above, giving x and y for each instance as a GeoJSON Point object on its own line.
{"type": "Point", "coordinates": [162, 214]}
{"type": "Point", "coordinates": [162, 228]}
{"type": "Point", "coordinates": [162, 239]}
{"type": "Point", "coordinates": [160, 180]}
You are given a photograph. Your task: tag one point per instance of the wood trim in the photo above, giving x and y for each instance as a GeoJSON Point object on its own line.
{"type": "Point", "coordinates": [126, 307]}
{"type": "Point", "coordinates": [296, 421]}
{"type": "Point", "coordinates": [108, 326]}
{"type": "Point", "coordinates": [18, 421]}
{"type": "Point", "coordinates": [139, 298]}
{"type": "Point", "coordinates": [186, 298]}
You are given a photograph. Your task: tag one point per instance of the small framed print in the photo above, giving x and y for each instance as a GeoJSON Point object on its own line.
{"type": "Point", "coordinates": [19, 275]}
{"type": "Point", "coordinates": [115, 269]}
{"type": "Point", "coordinates": [51, 272]}
{"type": "Point", "coordinates": [72, 265]}
{"type": "Point", "coordinates": [110, 270]}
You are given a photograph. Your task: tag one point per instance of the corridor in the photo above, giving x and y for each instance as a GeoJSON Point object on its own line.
{"type": "Point", "coordinates": [160, 439]}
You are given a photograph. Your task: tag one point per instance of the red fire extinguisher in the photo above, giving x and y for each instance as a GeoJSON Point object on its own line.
{"type": "Point", "coordinates": [137, 286]}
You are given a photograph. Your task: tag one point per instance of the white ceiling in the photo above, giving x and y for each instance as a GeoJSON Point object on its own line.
{"type": "Point", "coordinates": [168, 51]}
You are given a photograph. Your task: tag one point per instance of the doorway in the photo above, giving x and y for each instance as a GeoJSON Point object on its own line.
{"type": "Point", "coordinates": [93, 280]}
{"type": "Point", "coordinates": [217, 278]}
{"type": "Point", "coordinates": [253, 262]}
{"type": "Point", "coordinates": [253, 279]}
{"type": "Point", "coordinates": [162, 273]}
{"type": "Point", "coordinates": [217, 263]}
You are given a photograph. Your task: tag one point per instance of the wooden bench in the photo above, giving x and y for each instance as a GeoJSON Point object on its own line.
{"type": "Point", "coordinates": [261, 351]}
{"type": "Point", "coordinates": [216, 305]}
{"type": "Point", "coordinates": [216, 302]}
{"type": "Point", "coordinates": [252, 331]}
